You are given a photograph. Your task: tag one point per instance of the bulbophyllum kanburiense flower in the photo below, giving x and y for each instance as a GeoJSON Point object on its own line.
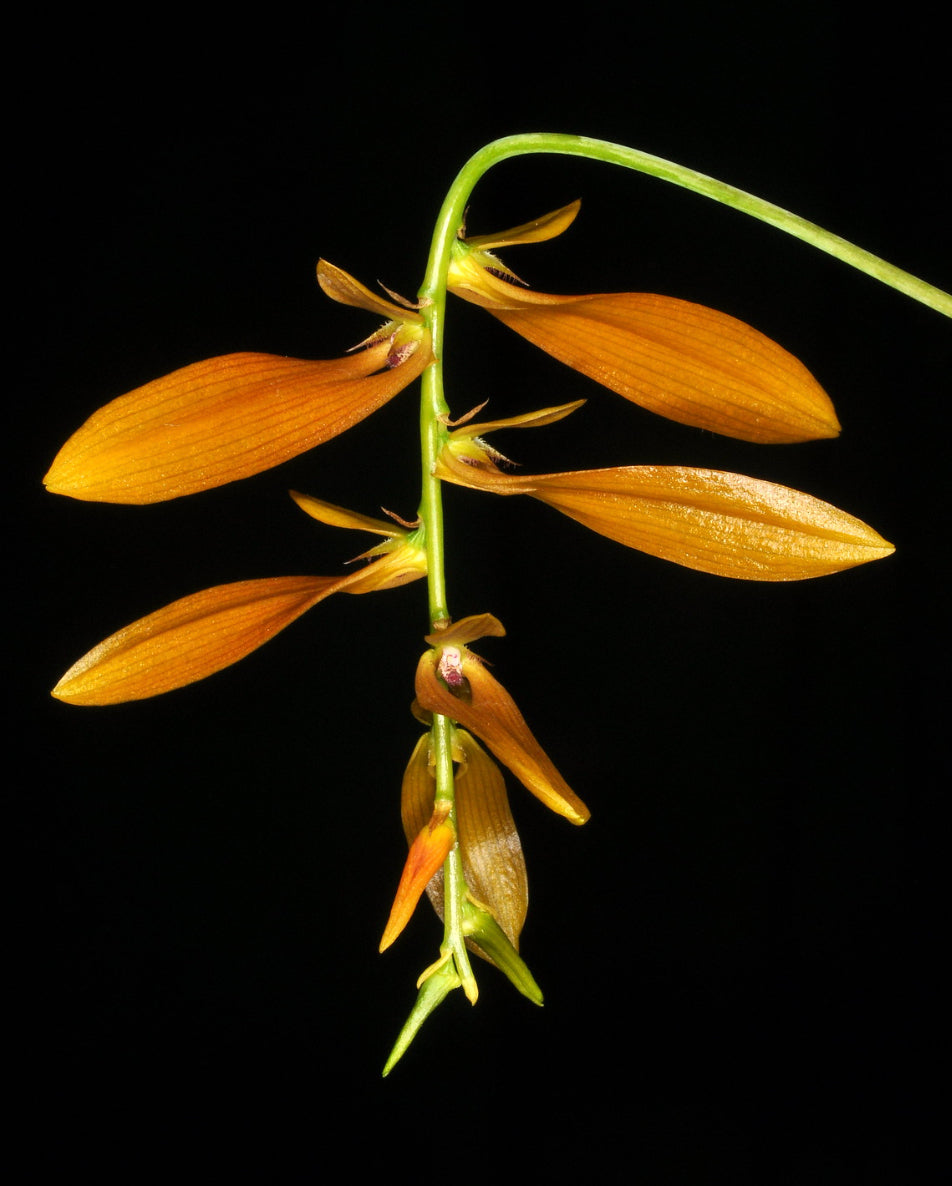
{"type": "Point", "coordinates": [684, 361]}
{"type": "Point", "coordinates": [491, 851]}
{"type": "Point", "coordinates": [198, 635]}
{"type": "Point", "coordinates": [493, 864]}
{"type": "Point", "coordinates": [721, 523]}
{"type": "Point", "coordinates": [227, 418]}
{"type": "Point", "coordinates": [452, 681]}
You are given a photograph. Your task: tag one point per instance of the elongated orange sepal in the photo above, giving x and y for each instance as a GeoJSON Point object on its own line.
{"type": "Point", "coordinates": [681, 360]}
{"type": "Point", "coordinates": [717, 522]}
{"type": "Point", "coordinates": [221, 420]}
{"type": "Point", "coordinates": [190, 639]}
{"type": "Point", "coordinates": [205, 632]}
{"type": "Point", "coordinates": [427, 853]}
{"type": "Point", "coordinates": [482, 705]}
{"type": "Point", "coordinates": [722, 523]}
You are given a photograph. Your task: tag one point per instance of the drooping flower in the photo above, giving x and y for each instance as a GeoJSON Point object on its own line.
{"type": "Point", "coordinates": [228, 418]}
{"type": "Point", "coordinates": [684, 361]}
{"type": "Point", "coordinates": [716, 522]}
{"type": "Point", "coordinates": [208, 631]}
{"type": "Point", "coordinates": [491, 852]}
{"type": "Point", "coordinates": [452, 681]}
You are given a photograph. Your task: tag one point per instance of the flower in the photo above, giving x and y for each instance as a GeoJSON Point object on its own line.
{"type": "Point", "coordinates": [716, 522]}
{"type": "Point", "coordinates": [452, 681]}
{"type": "Point", "coordinates": [493, 864]}
{"type": "Point", "coordinates": [684, 361]}
{"type": "Point", "coordinates": [207, 631]}
{"type": "Point", "coordinates": [228, 418]}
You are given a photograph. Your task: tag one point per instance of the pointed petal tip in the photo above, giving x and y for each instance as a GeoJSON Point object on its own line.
{"type": "Point", "coordinates": [340, 286]}
{"type": "Point", "coordinates": [190, 639]}
{"type": "Point", "coordinates": [426, 856]}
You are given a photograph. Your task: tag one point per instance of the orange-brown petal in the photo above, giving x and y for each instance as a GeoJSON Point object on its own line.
{"type": "Point", "coordinates": [427, 853]}
{"type": "Point", "coordinates": [194, 637]}
{"type": "Point", "coordinates": [681, 360]}
{"type": "Point", "coordinates": [722, 523]}
{"type": "Point", "coordinates": [221, 420]}
{"type": "Point", "coordinates": [482, 705]}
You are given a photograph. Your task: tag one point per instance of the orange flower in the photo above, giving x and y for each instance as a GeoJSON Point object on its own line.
{"type": "Point", "coordinates": [716, 522]}
{"type": "Point", "coordinates": [490, 849]}
{"type": "Point", "coordinates": [231, 417]}
{"type": "Point", "coordinates": [684, 361]}
{"type": "Point", "coordinates": [205, 632]}
{"type": "Point", "coordinates": [452, 681]}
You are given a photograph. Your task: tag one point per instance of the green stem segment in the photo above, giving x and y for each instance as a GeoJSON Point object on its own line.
{"type": "Point", "coordinates": [451, 216]}
{"type": "Point", "coordinates": [433, 430]}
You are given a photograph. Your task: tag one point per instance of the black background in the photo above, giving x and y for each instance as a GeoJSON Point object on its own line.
{"type": "Point", "coordinates": [733, 951]}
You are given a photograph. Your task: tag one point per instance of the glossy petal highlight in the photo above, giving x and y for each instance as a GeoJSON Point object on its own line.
{"type": "Point", "coordinates": [681, 360]}
{"type": "Point", "coordinates": [722, 523]}
{"type": "Point", "coordinates": [481, 704]}
{"type": "Point", "coordinates": [190, 639]}
{"type": "Point", "coordinates": [198, 635]}
{"type": "Point", "coordinates": [221, 420]}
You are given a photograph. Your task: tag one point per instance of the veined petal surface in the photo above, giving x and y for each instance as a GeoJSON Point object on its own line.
{"type": "Point", "coordinates": [684, 361]}
{"type": "Point", "coordinates": [428, 850]}
{"type": "Point", "coordinates": [486, 709]}
{"type": "Point", "coordinates": [221, 420]}
{"type": "Point", "coordinates": [207, 631]}
{"type": "Point", "coordinates": [717, 522]}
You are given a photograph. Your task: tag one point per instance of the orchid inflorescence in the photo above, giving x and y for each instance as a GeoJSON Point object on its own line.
{"type": "Point", "coordinates": [227, 418]}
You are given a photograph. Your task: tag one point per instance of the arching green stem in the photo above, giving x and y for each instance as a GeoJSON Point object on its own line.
{"type": "Point", "coordinates": [451, 214]}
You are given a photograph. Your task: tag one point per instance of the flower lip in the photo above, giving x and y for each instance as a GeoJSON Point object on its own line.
{"type": "Point", "coordinates": [234, 416]}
